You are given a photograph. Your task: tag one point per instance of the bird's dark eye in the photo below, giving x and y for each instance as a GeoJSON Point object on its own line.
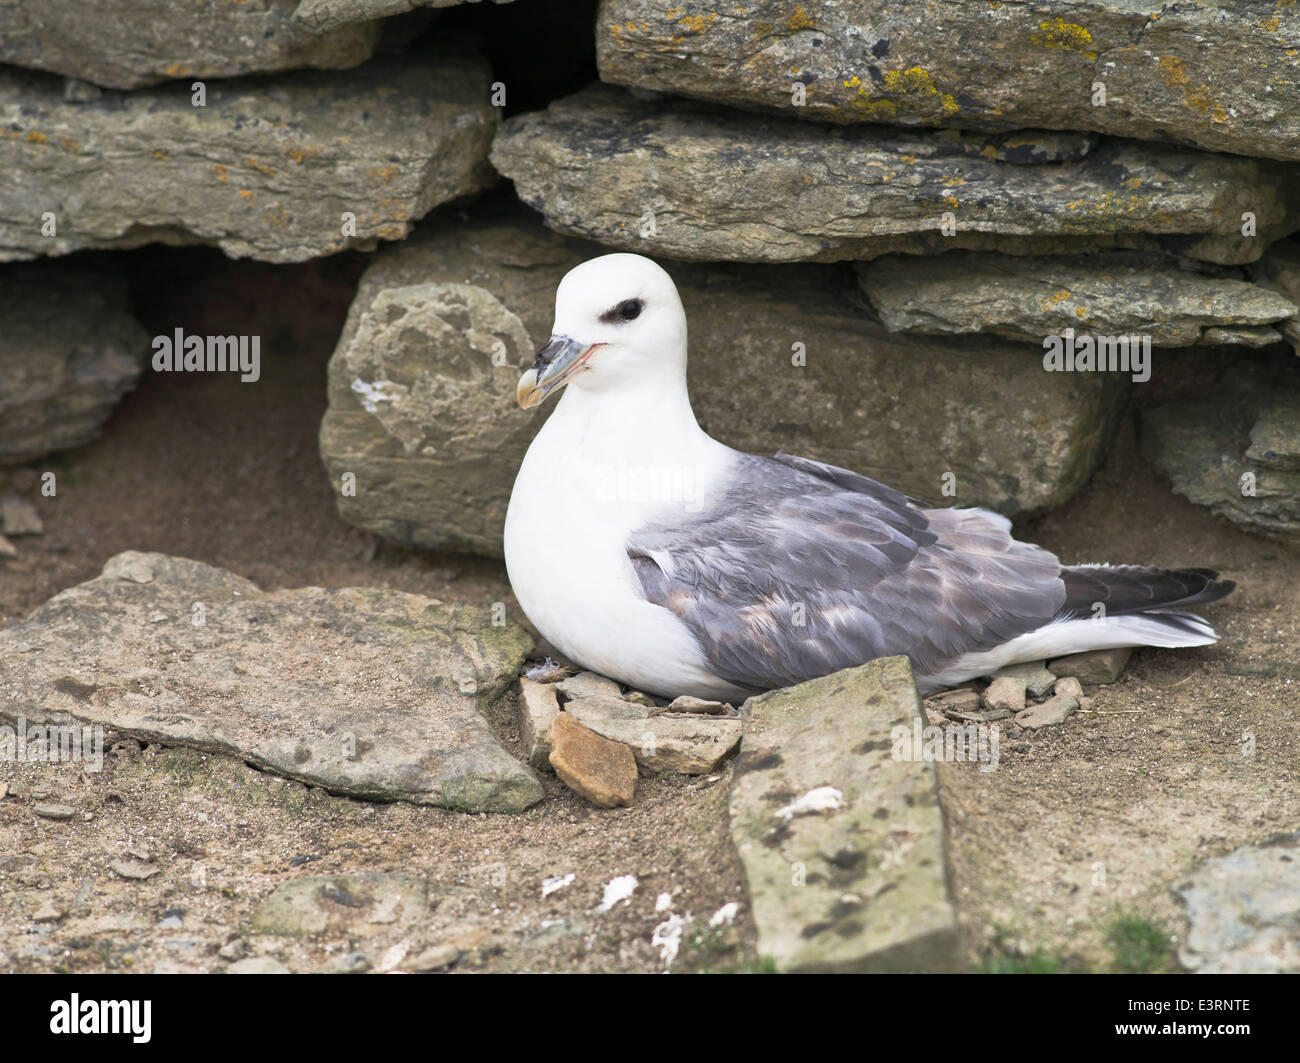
{"type": "Point", "coordinates": [627, 310]}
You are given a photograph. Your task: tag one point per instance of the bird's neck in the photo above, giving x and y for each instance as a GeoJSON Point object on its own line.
{"type": "Point", "coordinates": [655, 418]}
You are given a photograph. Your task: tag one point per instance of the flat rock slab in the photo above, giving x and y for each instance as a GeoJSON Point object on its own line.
{"type": "Point", "coordinates": [994, 65]}
{"type": "Point", "coordinates": [1030, 297]}
{"type": "Point", "coordinates": [843, 846]}
{"type": "Point", "coordinates": [323, 15]}
{"type": "Point", "coordinates": [422, 384]}
{"type": "Point", "coordinates": [689, 181]}
{"type": "Point", "coordinates": [365, 692]}
{"type": "Point", "coordinates": [599, 769]}
{"type": "Point", "coordinates": [267, 170]}
{"type": "Point", "coordinates": [1238, 452]}
{"type": "Point", "coordinates": [70, 348]}
{"type": "Point", "coordinates": [686, 743]}
{"type": "Point", "coordinates": [340, 904]}
{"type": "Point", "coordinates": [144, 42]}
{"type": "Point", "coordinates": [1243, 911]}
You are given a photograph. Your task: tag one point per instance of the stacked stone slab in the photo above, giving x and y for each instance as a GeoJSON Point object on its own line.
{"type": "Point", "coordinates": [1221, 75]}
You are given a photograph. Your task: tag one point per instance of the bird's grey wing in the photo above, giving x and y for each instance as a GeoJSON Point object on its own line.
{"type": "Point", "coordinates": [802, 569]}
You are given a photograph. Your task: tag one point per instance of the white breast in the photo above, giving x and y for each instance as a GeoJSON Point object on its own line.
{"type": "Point", "coordinates": [584, 486]}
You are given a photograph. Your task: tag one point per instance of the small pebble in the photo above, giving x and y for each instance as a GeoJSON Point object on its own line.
{"type": "Point", "coordinates": [52, 810]}
{"type": "Point", "coordinates": [434, 959]}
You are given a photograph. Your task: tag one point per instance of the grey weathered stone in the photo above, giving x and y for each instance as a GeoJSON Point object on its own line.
{"type": "Point", "coordinates": [1279, 269]}
{"type": "Point", "coordinates": [323, 15]}
{"type": "Point", "coordinates": [874, 894]}
{"type": "Point", "coordinates": [1093, 666]}
{"type": "Point", "coordinates": [363, 691]}
{"type": "Point", "coordinates": [19, 517]}
{"type": "Point", "coordinates": [1030, 297]}
{"type": "Point", "coordinates": [991, 66]}
{"type": "Point", "coordinates": [1056, 709]}
{"type": "Point", "coordinates": [690, 744]}
{"type": "Point", "coordinates": [538, 706]}
{"type": "Point", "coordinates": [1242, 913]}
{"type": "Point", "coordinates": [1006, 692]}
{"type": "Point", "coordinates": [1237, 451]}
{"type": "Point", "coordinates": [340, 904]}
{"type": "Point", "coordinates": [266, 170]}
{"type": "Point", "coordinates": [124, 46]}
{"type": "Point", "coordinates": [724, 185]}
{"type": "Point", "coordinates": [69, 349]}
{"type": "Point", "coordinates": [1038, 680]}
{"type": "Point", "coordinates": [422, 383]}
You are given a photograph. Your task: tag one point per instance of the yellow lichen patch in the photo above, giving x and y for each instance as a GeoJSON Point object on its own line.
{"type": "Point", "coordinates": [950, 202]}
{"type": "Point", "coordinates": [1059, 297]}
{"type": "Point", "coordinates": [698, 24]}
{"type": "Point", "coordinates": [1197, 97]}
{"type": "Point", "coordinates": [36, 138]}
{"type": "Point", "coordinates": [989, 152]}
{"type": "Point", "coordinates": [1080, 311]}
{"type": "Point", "coordinates": [179, 70]}
{"type": "Point", "coordinates": [1133, 183]}
{"type": "Point", "coordinates": [246, 194]}
{"type": "Point", "coordinates": [223, 174]}
{"type": "Point", "coordinates": [916, 81]}
{"type": "Point", "coordinates": [298, 154]}
{"type": "Point", "coordinates": [1063, 36]}
{"type": "Point", "coordinates": [949, 182]}
{"type": "Point", "coordinates": [1272, 24]}
{"type": "Point", "coordinates": [253, 164]}
{"type": "Point", "coordinates": [69, 145]}
{"type": "Point", "coordinates": [384, 174]}
{"type": "Point", "coordinates": [163, 155]}
{"type": "Point", "coordinates": [277, 218]}
{"type": "Point", "coordinates": [799, 21]}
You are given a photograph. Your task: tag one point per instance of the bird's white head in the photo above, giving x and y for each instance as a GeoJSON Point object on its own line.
{"type": "Point", "coordinates": [619, 324]}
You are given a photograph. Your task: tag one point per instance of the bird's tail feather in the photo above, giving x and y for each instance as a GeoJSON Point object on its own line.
{"type": "Point", "coordinates": [1122, 590]}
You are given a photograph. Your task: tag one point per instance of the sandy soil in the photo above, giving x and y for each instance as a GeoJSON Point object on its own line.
{"type": "Point", "coordinates": [1099, 815]}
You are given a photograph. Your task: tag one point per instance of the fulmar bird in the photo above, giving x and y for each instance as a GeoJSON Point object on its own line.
{"type": "Point", "coordinates": [646, 550]}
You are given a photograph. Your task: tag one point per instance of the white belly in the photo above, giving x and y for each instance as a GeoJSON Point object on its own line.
{"type": "Point", "coordinates": [566, 555]}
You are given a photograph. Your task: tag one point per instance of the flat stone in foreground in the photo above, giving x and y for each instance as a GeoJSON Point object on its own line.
{"type": "Point", "coordinates": [365, 692]}
{"type": "Point", "coordinates": [858, 887]}
{"type": "Point", "coordinates": [281, 170]}
{"type": "Point", "coordinates": [1243, 913]}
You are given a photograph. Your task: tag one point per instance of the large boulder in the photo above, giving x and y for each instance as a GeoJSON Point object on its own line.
{"type": "Point", "coordinates": [69, 349]}
{"type": "Point", "coordinates": [691, 181]}
{"type": "Point", "coordinates": [280, 170]}
{"type": "Point", "coordinates": [1133, 70]}
{"type": "Point", "coordinates": [1111, 294]}
{"type": "Point", "coordinates": [124, 46]}
{"type": "Point", "coordinates": [422, 438]}
{"type": "Point", "coordinates": [363, 691]}
{"type": "Point", "coordinates": [1237, 451]}
{"type": "Point", "coordinates": [836, 818]}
